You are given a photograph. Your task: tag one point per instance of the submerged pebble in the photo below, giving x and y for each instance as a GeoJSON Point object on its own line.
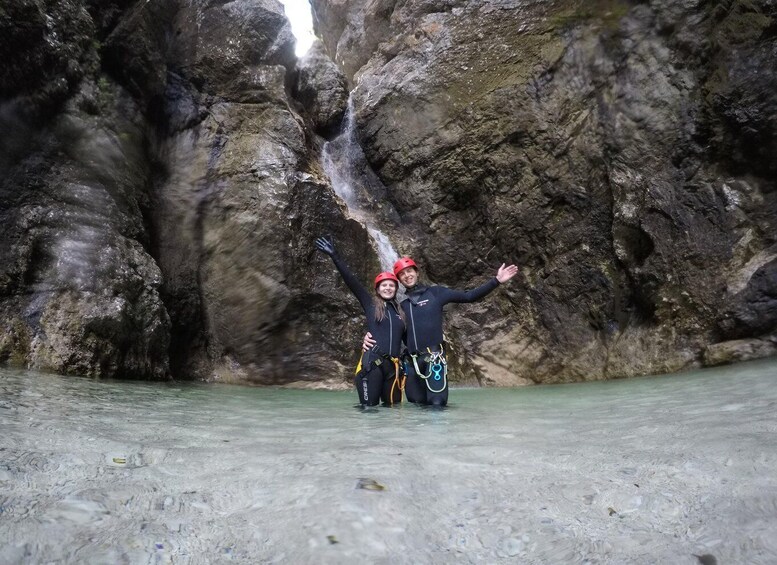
{"type": "Point", "coordinates": [369, 484]}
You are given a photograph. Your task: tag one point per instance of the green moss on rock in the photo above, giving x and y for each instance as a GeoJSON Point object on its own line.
{"type": "Point", "coordinates": [15, 344]}
{"type": "Point", "coordinates": [606, 13]}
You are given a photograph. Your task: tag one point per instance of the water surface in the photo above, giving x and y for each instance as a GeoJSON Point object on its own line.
{"type": "Point", "coordinates": [650, 470]}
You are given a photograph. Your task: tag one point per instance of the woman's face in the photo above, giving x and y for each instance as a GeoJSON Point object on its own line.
{"type": "Point", "coordinates": [387, 289]}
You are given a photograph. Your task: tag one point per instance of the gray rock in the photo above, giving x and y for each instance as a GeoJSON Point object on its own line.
{"type": "Point", "coordinates": [46, 49]}
{"type": "Point", "coordinates": [79, 292]}
{"type": "Point", "coordinates": [160, 191]}
{"type": "Point", "coordinates": [321, 89]}
{"type": "Point", "coordinates": [753, 311]}
{"type": "Point", "coordinates": [164, 225]}
{"type": "Point", "coordinates": [238, 206]}
{"type": "Point", "coordinates": [738, 350]}
{"type": "Point", "coordinates": [613, 151]}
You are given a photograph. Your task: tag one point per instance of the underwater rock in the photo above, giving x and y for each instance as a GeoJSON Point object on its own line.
{"type": "Point", "coordinates": [369, 484]}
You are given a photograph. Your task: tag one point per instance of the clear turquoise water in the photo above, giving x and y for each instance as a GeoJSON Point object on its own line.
{"type": "Point", "coordinates": [650, 470]}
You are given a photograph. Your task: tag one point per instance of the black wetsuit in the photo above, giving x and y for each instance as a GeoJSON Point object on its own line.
{"type": "Point", "coordinates": [423, 311]}
{"type": "Point", "coordinates": [377, 378]}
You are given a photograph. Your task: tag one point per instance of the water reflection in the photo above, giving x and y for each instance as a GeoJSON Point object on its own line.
{"type": "Point", "coordinates": [649, 470]}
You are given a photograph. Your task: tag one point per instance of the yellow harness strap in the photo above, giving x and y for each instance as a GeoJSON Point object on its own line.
{"type": "Point", "coordinates": [397, 381]}
{"type": "Point", "coordinates": [359, 366]}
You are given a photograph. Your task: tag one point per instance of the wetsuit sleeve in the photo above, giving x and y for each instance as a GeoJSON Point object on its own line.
{"type": "Point", "coordinates": [352, 282]}
{"type": "Point", "coordinates": [448, 295]}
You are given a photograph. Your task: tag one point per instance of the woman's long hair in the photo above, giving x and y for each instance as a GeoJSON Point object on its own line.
{"type": "Point", "coordinates": [380, 308]}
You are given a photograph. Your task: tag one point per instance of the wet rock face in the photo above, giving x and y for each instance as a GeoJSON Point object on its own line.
{"type": "Point", "coordinates": [322, 90]}
{"type": "Point", "coordinates": [161, 188]}
{"type": "Point", "coordinates": [619, 152]}
{"type": "Point", "coordinates": [79, 293]}
{"type": "Point", "coordinates": [158, 219]}
{"type": "Point", "coordinates": [237, 202]}
{"type": "Point", "coordinates": [46, 50]}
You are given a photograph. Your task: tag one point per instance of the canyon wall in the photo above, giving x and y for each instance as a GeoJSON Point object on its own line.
{"type": "Point", "coordinates": [161, 183]}
{"type": "Point", "coordinates": [621, 152]}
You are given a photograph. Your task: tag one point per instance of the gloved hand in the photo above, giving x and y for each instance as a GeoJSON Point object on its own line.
{"type": "Point", "coordinates": [326, 245]}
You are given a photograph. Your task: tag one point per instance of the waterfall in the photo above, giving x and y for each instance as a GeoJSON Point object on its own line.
{"type": "Point", "coordinates": [357, 185]}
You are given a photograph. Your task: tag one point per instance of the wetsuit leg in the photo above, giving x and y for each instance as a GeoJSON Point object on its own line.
{"type": "Point", "coordinates": [415, 389]}
{"type": "Point", "coordinates": [369, 385]}
{"type": "Point", "coordinates": [392, 393]}
{"type": "Point", "coordinates": [437, 398]}
{"type": "Point", "coordinates": [422, 392]}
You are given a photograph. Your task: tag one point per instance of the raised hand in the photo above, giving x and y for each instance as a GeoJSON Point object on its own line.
{"type": "Point", "coordinates": [326, 245]}
{"type": "Point", "coordinates": [504, 274]}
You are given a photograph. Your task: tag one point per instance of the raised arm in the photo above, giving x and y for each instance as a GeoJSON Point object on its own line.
{"type": "Point", "coordinates": [503, 274]}
{"type": "Point", "coordinates": [326, 245]}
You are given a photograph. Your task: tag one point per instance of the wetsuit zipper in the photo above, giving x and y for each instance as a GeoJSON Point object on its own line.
{"type": "Point", "coordinates": [412, 321]}
{"type": "Point", "coordinates": [391, 333]}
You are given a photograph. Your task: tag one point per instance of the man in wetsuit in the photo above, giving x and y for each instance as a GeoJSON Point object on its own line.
{"type": "Point", "coordinates": [425, 361]}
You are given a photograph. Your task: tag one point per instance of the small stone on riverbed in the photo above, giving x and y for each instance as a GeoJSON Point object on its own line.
{"type": "Point", "coordinates": [369, 484]}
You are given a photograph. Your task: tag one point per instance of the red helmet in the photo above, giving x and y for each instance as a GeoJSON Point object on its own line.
{"type": "Point", "coordinates": [385, 276]}
{"type": "Point", "coordinates": [403, 263]}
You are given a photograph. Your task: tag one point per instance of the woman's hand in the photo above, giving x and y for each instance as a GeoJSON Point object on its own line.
{"type": "Point", "coordinates": [326, 245]}
{"type": "Point", "coordinates": [368, 342]}
{"type": "Point", "coordinates": [504, 274]}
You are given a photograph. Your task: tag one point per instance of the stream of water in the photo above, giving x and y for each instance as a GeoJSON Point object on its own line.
{"type": "Point", "coordinates": [359, 188]}
{"type": "Point", "coordinates": [649, 470]}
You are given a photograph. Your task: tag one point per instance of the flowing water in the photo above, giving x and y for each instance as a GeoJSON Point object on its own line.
{"type": "Point", "coordinates": [359, 188]}
{"type": "Point", "coordinates": [650, 470]}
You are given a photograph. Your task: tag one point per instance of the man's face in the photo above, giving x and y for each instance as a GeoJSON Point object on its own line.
{"type": "Point", "coordinates": [387, 289]}
{"type": "Point", "coordinates": [408, 277]}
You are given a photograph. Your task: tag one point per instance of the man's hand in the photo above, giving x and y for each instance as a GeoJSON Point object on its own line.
{"type": "Point", "coordinates": [368, 342]}
{"type": "Point", "coordinates": [326, 245]}
{"type": "Point", "coordinates": [504, 274]}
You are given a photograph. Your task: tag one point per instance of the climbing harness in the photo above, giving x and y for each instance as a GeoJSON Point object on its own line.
{"type": "Point", "coordinates": [437, 378]}
{"type": "Point", "coordinates": [398, 382]}
{"type": "Point", "coordinates": [399, 376]}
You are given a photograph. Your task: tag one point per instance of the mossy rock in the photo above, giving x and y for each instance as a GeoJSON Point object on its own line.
{"type": "Point", "coordinates": [15, 344]}
{"type": "Point", "coordinates": [607, 13]}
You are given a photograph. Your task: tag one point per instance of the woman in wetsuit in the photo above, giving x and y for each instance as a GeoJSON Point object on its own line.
{"type": "Point", "coordinates": [378, 376]}
{"type": "Point", "coordinates": [425, 362]}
